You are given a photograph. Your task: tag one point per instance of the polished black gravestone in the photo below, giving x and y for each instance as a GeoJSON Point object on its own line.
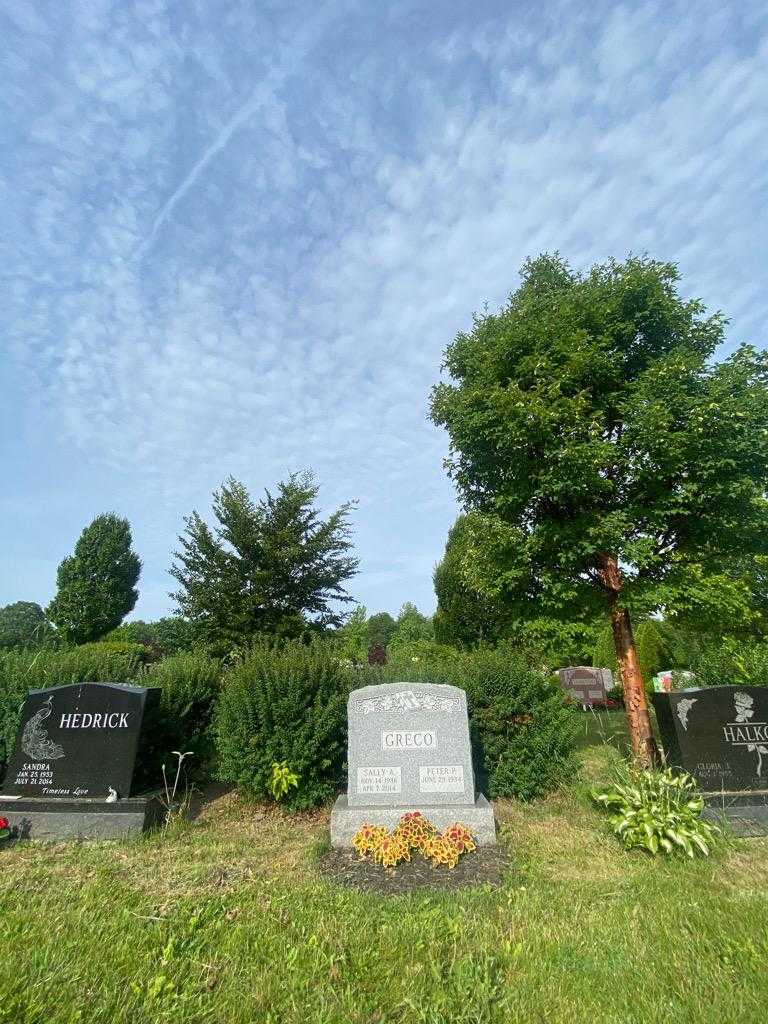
{"type": "Point", "coordinates": [73, 767]}
{"type": "Point", "coordinates": [719, 735]}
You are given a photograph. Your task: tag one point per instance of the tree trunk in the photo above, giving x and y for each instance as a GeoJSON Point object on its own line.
{"type": "Point", "coordinates": [638, 719]}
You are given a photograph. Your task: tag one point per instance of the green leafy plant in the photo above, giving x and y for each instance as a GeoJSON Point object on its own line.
{"type": "Point", "coordinates": [657, 810]}
{"type": "Point", "coordinates": [284, 703]}
{"type": "Point", "coordinates": [96, 586]}
{"type": "Point", "coordinates": [281, 780]}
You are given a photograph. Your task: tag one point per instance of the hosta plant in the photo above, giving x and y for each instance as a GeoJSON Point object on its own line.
{"type": "Point", "coordinates": [413, 832]}
{"type": "Point", "coordinates": [658, 810]}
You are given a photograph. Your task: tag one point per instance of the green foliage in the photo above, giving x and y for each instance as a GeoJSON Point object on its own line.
{"type": "Point", "coordinates": [97, 584]}
{"type": "Point", "coordinates": [190, 684]}
{"type": "Point", "coordinates": [166, 636]}
{"type": "Point", "coordinates": [730, 662]}
{"type": "Point", "coordinates": [525, 731]}
{"type": "Point", "coordinates": [587, 421]}
{"type": "Point", "coordinates": [282, 780]}
{"type": "Point", "coordinates": [658, 811]}
{"type": "Point", "coordinates": [30, 670]}
{"type": "Point", "coordinates": [271, 567]}
{"type": "Point", "coordinates": [464, 617]}
{"type": "Point", "coordinates": [412, 631]}
{"type": "Point", "coordinates": [353, 637]}
{"type": "Point", "coordinates": [554, 642]}
{"type": "Point", "coordinates": [23, 625]}
{"type": "Point", "coordinates": [380, 629]}
{"type": "Point", "coordinates": [284, 703]}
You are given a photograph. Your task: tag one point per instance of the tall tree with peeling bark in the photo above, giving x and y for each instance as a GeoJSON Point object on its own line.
{"type": "Point", "coordinates": [603, 458]}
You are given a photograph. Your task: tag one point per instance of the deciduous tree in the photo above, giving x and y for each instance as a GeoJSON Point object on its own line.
{"type": "Point", "coordinates": [604, 457]}
{"type": "Point", "coordinates": [23, 624]}
{"type": "Point", "coordinates": [97, 584]}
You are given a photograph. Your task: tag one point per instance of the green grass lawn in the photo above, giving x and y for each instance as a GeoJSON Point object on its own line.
{"type": "Point", "coordinates": [227, 919]}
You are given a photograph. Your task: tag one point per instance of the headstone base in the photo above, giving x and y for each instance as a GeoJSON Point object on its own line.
{"type": "Point", "coordinates": [54, 819]}
{"type": "Point", "coordinates": [478, 817]}
{"type": "Point", "coordinates": [746, 811]}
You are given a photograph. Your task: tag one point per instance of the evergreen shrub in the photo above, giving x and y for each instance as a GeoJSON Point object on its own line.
{"type": "Point", "coordinates": [190, 685]}
{"type": "Point", "coordinates": [284, 703]}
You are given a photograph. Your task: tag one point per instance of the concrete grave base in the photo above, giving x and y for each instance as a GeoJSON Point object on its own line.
{"type": "Point", "coordinates": [746, 811]}
{"type": "Point", "coordinates": [478, 817]}
{"type": "Point", "coordinates": [54, 819]}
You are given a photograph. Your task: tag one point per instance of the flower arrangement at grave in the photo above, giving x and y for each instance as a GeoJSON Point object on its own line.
{"type": "Point", "coordinates": [5, 829]}
{"type": "Point", "coordinates": [413, 832]}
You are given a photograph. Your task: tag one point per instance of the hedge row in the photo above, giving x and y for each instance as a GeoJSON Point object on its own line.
{"type": "Point", "coordinates": [287, 703]}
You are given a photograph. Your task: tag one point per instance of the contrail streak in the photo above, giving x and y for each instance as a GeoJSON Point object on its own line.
{"type": "Point", "coordinates": [265, 91]}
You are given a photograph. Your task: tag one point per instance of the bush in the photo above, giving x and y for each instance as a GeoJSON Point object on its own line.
{"type": "Point", "coordinates": [164, 637]}
{"type": "Point", "coordinates": [285, 703]}
{"type": "Point", "coordinates": [29, 670]}
{"type": "Point", "coordinates": [23, 625]}
{"type": "Point", "coordinates": [732, 662]}
{"type": "Point", "coordinates": [190, 684]}
{"type": "Point", "coordinates": [523, 729]}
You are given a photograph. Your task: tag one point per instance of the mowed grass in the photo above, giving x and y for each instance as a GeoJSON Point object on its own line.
{"type": "Point", "coordinates": [227, 919]}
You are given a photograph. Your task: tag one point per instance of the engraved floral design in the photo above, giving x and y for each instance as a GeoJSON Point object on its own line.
{"type": "Point", "coordinates": [683, 710]}
{"type": "Point", "coordinates": [407, 700]}
{"type": "Point", "coordinates": [744, 709]}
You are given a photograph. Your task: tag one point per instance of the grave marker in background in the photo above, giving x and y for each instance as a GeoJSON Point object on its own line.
{"type": "Point", "coordinates": [586, 684]}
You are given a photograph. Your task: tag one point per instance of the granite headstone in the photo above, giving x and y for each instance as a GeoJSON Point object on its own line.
{"type": "Point", "coordinates": [586, 684]}
{"type": "Point", "coordinates": [719, 735]}
{"type": "Point", "coordinates": [77, 747]}
{"type": "Point", "coordinates": [409, 749]}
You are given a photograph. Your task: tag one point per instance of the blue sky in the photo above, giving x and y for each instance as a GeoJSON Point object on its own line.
{"type": "Point", "coordinates": [236, 237]}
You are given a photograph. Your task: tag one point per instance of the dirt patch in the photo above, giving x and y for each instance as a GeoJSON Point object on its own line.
{"type": "Point", "coordinates": [485, 866]}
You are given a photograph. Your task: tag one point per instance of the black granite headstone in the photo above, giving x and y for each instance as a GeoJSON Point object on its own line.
{"type": "Point", "coordinates": [719, 734]}
{"type": "Point", "coordinates": [79, 742]}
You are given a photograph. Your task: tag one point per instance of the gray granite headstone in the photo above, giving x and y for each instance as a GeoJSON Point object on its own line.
{"type": "Point", "coordinates": [409, 749]}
